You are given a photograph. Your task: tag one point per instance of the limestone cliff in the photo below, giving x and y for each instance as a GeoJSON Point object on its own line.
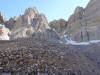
{"type": "Point", "coordinates": [84, 24]}
{"type": "Point", "coordinates": [59, 26]}
{"type": "Point", "coordinates": [31, 24]}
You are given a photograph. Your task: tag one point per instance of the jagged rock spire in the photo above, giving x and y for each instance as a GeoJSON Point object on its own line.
{"type": "Point", "coordinates": [31, 11]}
{"type": "Point", "coordinates": [1, 18]}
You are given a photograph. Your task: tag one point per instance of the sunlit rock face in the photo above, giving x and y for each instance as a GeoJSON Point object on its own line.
{"type": "Point", "coordinates": [28, 23]}
{"type": "Point", "coordinates": [4, 33]}
{"type": "Point", "coordinates": [32, 24]}
{"type": "Point", "coordinates": [22, 32]}
{"type": "Point", "coordinates": [40, 23]}
{"type": "Point", "coordinates": [25, 19]}
{"type": "Point", "coordinates": [84, 23]}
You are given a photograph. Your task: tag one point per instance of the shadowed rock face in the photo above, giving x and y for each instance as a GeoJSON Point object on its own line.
{"type": "Point", "coordinates": [59, 26]}
{"type": "Point", "coordinates": [48, 34]}
{"type": "Point", "coordinates": [33, 55]}
{"type": "Point", "coordinates": [77, 25]}
{"type": "Point", "coordinates": [40, 23]}
{"type": "Point", "coordinates": [1, 19]}
{"type": "Point", "coordinates": [84, 24]}
{"type": "Point", "coordinates": [10, 23]}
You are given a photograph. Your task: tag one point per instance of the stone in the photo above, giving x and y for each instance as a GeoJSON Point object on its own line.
{"type": "Point", "coordinates": [33, 24]}
{"type": "Point", "coordinates": [83, 24]}
{"type": "Point", "coordinates": [20, 59]}
{"type": "Point", "coordinates": [28, 23]}
{"type": "Point", "coordinates": [40, 23]}
{"type": "Point", "coordinates": [10, 23]}
{"type": "Point", "coordinates": [59, 26]}
{"type": "Point", "coordinates": [22, 32]}
{"type": "Point", "coordinates": [1, 19]}
{"type": "Point", "coordinates": [48, 34]}
{"type": "Point", "coordinates": [26, 18]}
{"type": "Point", "coordinates": [4, 33]}
{"type": "Point", "coordinates": [6, 74]}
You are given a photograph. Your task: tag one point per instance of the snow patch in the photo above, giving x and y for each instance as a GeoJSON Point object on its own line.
{"type": "Point", "coordinates": [69, 41]}
{"type": "Point", "coordinates": [4, 33]}
{"type": "Point", "coordinates": [94, 41]}
{"type": "Point", "coordinates": [77, 43]}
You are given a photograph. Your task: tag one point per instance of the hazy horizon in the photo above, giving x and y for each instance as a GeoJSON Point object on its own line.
{"type": "Point", "coordinates": [53, 9]}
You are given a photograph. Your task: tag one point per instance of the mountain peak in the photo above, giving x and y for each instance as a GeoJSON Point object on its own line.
{"type": "Point", "coordinates": [31, 11]}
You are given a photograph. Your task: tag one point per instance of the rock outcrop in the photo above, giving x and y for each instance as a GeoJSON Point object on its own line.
{"type": "Point", "coordinates": [83, 25]}
{"type": "Point", "coordinates": [40, 23]}
{"type": "Point", "coordinates": [59, 26]}
{"type": "Point", "coordinates": [77, 26]}
{"type": "Point", "coordinates": [4, 33]}
{"type": "Point", "coordinates": [10, 23]}
{"type": "Point", "coordinates": [24, 25]}
{"type": "Point", "coordinates": [92, 12]}
{"type": "Point", "coordinates": [32, 24]}
{"type": "Point", "coordinates": [48, 34]}
{"type": "Point", "coordinates": [1, 19]}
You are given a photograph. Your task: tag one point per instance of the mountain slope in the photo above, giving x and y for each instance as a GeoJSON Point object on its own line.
{"type": "Point", "coordinates": [84, 23]}
{"type": "Point", "coordinates": [26, 55]}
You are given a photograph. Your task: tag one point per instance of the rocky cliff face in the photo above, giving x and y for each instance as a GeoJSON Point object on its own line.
{"type": "Point", "coordinates": [4, 33]}
{"type": "Point", "coordinates": [92, 12]}
{"type": "Point", "coordinates": [59, 26]}
{"type": "Point", "coordinates": [83, 25]}
{"type": "Point", "coordinates": [32, 18]}
{"type": "Point", "coordinates": [31, 24]}
{"type": "Point", "coordinates": [77, 25]}
{"type": "Point", "coordinates": [1, 19]}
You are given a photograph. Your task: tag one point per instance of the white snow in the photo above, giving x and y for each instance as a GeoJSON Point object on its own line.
{"type": "Point", "coordinates": [94, 41]}
{"type": "Point", "coordinates": [77, 43]}
{"type": "Point", "coordinates": [69, 41]}
{"type": "Point", "coordinates": [4, 35]}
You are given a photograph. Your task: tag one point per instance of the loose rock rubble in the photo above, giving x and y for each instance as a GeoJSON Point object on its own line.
{"type": "Point", "coordinates": [32, 56]}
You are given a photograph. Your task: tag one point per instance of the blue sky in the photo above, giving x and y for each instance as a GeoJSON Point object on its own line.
{"type": "Point", "coordinates": [53, 9]}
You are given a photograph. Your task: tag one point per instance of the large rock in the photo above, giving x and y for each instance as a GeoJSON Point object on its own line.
{"type": "Point", "coordinates": [40, 23]}
{"type": "Point", "coordinates": [32, 24]}
{"type": "Point", "coordinates": [84, 24]}
{"type": "Point", "coordinates": [59, 26]}
{"type": "Point", "coordinates": [48, 34]}
{"type": "Point", "coordinates": [92, 12]}
{"type": "Point", "coordinates": [10, 23]}
{"type": "Point", "coordinates": [25, 19]}
{"type": "Point", "coordinates": [23, 32]}
{"type": "Point", "coordinates": [4, 33]}
{"type": "Point", "coordinates": [77, 25]}
{"type": "Point", "coordinates": [28, 23]}
{"type": "Point", "coordinates": [1, 19]}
